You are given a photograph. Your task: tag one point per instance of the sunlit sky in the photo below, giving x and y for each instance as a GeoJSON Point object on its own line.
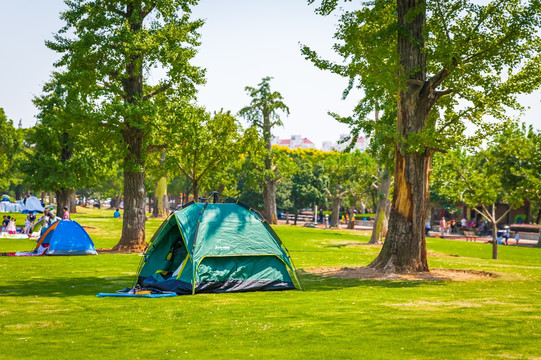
{"type": "Point", "coordinates": [242, 42]}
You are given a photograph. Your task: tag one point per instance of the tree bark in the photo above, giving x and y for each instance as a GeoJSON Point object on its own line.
{"type": "Point", "coordinates": [195, 188]}
{"type": "Point", "coordinates": [404, 249]}
{"type": "Point", "coordinates": [65, 197]}
{"type": "Point", "coordinates": [335, 216]}
{"type": "Point", "coordinates": [269, 200]}
{"type": "Point", "coordinates": [269, 186]}
{"type": "Point", "coordinates": [494, 240]}
{"type": "Point", "coordinates": [133, 222]}
{"type": "Point", "coordinates": [382, 211]}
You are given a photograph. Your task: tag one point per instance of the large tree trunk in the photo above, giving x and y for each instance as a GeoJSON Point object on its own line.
{"type": "Point", "coordinates": [65, 197]}
{"type": "Point", "coordinates": [269, 200]}
{"type": "Point", "coordinates": [382, 211]}
{"type": "Point", "coordinates": [404, 249]}
{"type": "Point", "coordinates": [133, 222]}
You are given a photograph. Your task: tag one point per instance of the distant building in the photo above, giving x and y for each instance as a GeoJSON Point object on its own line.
{"type": "Point", "coordinates": [361, 144]}
{"type": "Point", "coordinates": [296, 142]}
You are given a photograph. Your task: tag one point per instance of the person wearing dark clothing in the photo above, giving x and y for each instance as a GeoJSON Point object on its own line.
{"type": "Point", "coordinates": [31, 217]}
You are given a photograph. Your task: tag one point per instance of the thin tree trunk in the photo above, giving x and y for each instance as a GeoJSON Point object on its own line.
{"type": "Point", "coordinates": [382, 210]}
{"type": "Point", "coordinates": [153, 202]}
{"type": "Point", "coordinates": [335, 216]}
{"type": "Point", "coordinates": [195, 189]}
{"type": "Point", "coordinates": [269, 200]}
{"type": "Point", "coordinates": [495, 234]}
{"type": "Point", "coordinates": [161, 201]}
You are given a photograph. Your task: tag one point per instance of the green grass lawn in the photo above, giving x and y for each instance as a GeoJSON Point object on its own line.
{"type": "Point", "coordinates": [49, 308]}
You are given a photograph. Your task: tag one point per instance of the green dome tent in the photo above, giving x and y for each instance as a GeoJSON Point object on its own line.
{"type": "Point", "coordinates": [219, 245]}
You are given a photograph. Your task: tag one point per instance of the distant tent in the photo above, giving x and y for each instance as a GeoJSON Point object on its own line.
{"type": "Point", "coordinates": [8, 206]}
{"type": "Point", "coordinates": [218, 245]}
{"type": "Point", "coordinates": [32, 204]}
{"type": "Point", "coordinates": [66, 237]}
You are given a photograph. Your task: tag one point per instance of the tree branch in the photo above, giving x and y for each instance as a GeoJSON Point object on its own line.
{"type": "Point", "coordinates": [184, 172]}
{"type": "Point", "coordinates": [110, 7]}
{"type": "Point", "coordinates": [152, 148]}
{"type": "Point", "coordinates": [210, 166]}
{"type": "Point", "coordinates": [145, 11]}
{"type": "Point", "coordinates": [504, 214]}
{"type": "Point", "coordinates": [439, 94]}
{"type": "Point", "coordinates": [157, 91]}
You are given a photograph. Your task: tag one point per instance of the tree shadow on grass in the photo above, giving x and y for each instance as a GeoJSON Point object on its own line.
{"type": "Point", "coordinates": [320, 282]}
{"type": "Point", "coordinates": [64, 287]}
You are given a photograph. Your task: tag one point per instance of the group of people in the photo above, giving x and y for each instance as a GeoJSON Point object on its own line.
{"type": "Point", "coordinates": [49, 217]}
{"type": "Point", "coordinates": [9, 223]}
{"type": "Point", "coordinates": [451, 226]}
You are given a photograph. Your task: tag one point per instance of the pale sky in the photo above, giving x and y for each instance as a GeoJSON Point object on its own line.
{"type": "Point", "coordinates": [242, 42]}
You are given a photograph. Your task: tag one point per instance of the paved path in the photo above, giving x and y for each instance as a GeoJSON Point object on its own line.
{"type": "Point", "coordinates": [511, 241]}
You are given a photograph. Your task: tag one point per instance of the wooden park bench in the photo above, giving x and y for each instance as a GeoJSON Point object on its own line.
{"type": "Point", "coordinates": [470, 235]}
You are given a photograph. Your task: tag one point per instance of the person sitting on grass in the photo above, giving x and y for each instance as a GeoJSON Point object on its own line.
{"type": "Point", "coordinates": [27, 226]}
{"type": "Point", "coordinates": [116, 214]}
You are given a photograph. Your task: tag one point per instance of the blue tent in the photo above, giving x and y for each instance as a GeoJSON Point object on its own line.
{"type": "Point", "coordinates": [66, 237]}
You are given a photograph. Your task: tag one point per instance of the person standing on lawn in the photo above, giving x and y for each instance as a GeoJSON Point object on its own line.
{"type": "Point", "coordinates": [66, 215]}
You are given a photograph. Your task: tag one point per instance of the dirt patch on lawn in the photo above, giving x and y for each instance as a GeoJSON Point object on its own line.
{"type": "Point", "coordinates": [120, 251]}
{"type": "Point", "coordinates": [432, 275]}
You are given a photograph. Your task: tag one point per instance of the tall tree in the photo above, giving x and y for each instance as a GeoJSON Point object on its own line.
{"type": "Point", "coordinates": [61, 156]}
{"type": "Point", "coordinates": [480, 180]}
{"type": "Point", "coordinates": [307, 187]}
{"type": "Point", "coordinates": [464, 48]}
{"type": "Point", "coordinates": [369, 62]}
{"type": "Point", "coordinates": [340, 169]}
{"type": "Point", "coordinates": [205, 144]}
{"type": "Point", "coordinates": [111, 48]}
{"type": "Point", "coordinates": [518, 150]}
{"type": "Point", "coordinates": [262, 113]}
{"type": "Point", "coordinates": [10, 145]}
